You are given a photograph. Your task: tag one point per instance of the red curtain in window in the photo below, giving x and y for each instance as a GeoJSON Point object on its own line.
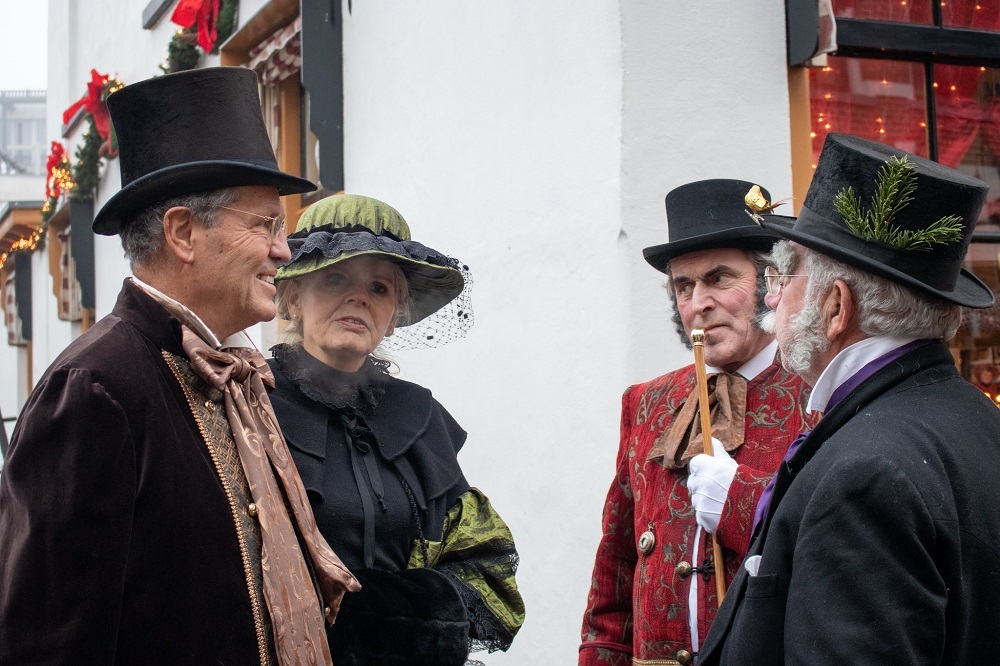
{"type": "Point", "coordinates": [972, 14]}
{"type": "Point", "coordinates": [885, 100]}
{"type": "Point", "coordinates": [881, 100]}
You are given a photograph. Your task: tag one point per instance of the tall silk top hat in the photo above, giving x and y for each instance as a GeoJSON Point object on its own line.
{"type": "Point", "coordinates": [893, 214]}
{"type": "Point", "coordinates": [709, 214]}
{"type": "Point", "coordinates": [189, 132]}
{"type": "Point", "coordinates": [337, 228]}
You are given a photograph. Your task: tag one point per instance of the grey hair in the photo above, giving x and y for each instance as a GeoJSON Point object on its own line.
{"type": "Point", "coordinates": [293, 331]}
{"type": "Point", "coordinates": [142, 236]}
{"type": "Point", "coordinates": [761, 260]}
{"type": "Point", "coordinates": [884, 307]}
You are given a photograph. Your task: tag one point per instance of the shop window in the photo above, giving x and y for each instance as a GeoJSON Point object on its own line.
{"type": "Point", "coordinates": [923, 76]}
{"type": "Point", "coordinates": [882, 100]}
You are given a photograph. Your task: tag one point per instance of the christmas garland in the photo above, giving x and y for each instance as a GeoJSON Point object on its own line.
{"type": "Point", "coordinates": [58, 179]}
{"type": "Point", "coordinates": [79, 181]}
{"type": "Point", "coordinates": [206, 24]}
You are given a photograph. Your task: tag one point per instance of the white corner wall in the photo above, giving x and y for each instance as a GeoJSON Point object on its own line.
{"type": "Point", "coordinates": [495, 130]}
{"type": "Point", "coordinates": [705, 96]}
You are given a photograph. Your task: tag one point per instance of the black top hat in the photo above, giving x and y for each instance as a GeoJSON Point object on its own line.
{"type": "Point", "coordinates": [708, 214]}
{"type": "Point", "coordinates": [189, 132]}
{"type": "Point", "coordinates": [932, 267]}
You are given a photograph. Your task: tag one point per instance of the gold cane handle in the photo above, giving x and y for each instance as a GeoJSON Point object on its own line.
{"type": "Point", "coordinates": [698, 345]}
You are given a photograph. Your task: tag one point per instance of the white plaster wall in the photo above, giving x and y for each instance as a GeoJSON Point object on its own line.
{"type": "Point", "coordinates": [495, 130]}
{"type": "Point", "coordinates": [21, 188]}
{"type": "Point", "coordinates": [705, 96]}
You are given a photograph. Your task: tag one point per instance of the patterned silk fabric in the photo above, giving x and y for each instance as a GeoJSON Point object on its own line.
{"type": "Point", "coordinates": [638, 603]}
{"type": "Point", "coordinates": [727, 399]}
{"type": "Point", "coordinates": [292, 600]}
{"type": "Point", "coordinates": [208, 406]}
{"type": "Point", "coordinates": [477, 549]}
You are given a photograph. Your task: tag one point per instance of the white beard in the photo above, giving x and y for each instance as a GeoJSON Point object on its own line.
{"type": "Point", "coordinates": [802, 341]}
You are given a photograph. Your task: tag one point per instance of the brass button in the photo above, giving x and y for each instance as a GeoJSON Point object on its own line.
{"type": "Point", "coordinates": [646, 542]}
{"type": "Point", "coordinates": [252, 509]}
{"type": "Point", "coordinates": [684, 657]}
{"type": "Point", "coordinates": [684, 569]}
{"type": "Point", "coordinates": [326, 611]}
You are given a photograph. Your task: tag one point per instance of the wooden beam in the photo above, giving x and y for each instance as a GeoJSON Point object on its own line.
{"type": "Point", "coordinates": [290, 143]}
{"type": "Point", "coordinates": [801, 129]}
{"type": "Point", "coordinates": [904, 41]}
{"type": "Point", "coordinates": [19, 223]}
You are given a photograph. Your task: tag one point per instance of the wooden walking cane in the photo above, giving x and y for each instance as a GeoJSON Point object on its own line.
{"type": "Point", "coordinates": [698, 344]}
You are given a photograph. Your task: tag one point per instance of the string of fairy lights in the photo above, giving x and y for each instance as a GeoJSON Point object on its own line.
{"type": "Point", "coordinates": [28, 243]}
{"type": "Point", "coordinates": [886, 119]}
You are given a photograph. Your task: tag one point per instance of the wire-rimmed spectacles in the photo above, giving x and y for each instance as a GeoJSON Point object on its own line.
{"type": "Point", "coordinates": [775, 281]}
{"type": "Point", "coordinates": [275, 225]}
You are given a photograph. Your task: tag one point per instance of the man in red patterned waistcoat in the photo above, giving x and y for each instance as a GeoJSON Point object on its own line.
{"type": "Point", "coordinates": [653, 592]}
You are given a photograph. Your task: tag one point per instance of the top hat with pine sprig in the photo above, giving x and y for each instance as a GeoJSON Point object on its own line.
{"type": "Point", "coordinates": [893, 214]}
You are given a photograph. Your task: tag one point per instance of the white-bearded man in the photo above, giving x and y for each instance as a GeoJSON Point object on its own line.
{"type": "Point", "coordinates": [878, 540]}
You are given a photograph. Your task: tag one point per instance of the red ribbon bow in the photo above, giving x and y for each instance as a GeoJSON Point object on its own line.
{"type": "Point", "coordinates": [93, 102]}
{"type": "Point", "coordinates": [203, 12]}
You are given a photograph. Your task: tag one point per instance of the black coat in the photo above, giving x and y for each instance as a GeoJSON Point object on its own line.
{"type": "Point", "coordinates": [412, 436]}
{"type": "Point", "coordinates": [409, 442]}
{"type": "Point", "coordinates": [117, 540]}
{"type": "Point", "coordinates": [882, 542]}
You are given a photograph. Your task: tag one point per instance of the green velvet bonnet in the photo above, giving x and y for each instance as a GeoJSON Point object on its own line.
{"type": "Point", "coordinates": [339, 227]}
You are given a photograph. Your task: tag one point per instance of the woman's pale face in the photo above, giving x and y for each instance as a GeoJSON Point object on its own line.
{"type": "Point", "coordinates": [345, 310]}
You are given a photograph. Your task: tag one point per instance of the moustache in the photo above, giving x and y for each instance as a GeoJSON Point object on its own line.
{"type": "Point", "coordinates": [767, 322]}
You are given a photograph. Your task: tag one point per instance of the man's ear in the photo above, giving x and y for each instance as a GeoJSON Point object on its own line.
{"type": "Point", "coordinates": [179, 226]}
{"type": "Point", "coordinates": [839, 310]}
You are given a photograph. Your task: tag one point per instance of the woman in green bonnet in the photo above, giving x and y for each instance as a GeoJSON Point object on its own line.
{"type": "Point", "coordinates": [378, 455]}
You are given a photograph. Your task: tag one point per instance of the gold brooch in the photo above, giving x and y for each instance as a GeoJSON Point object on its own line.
{"type": "Point", "coordinates": [758, 204]}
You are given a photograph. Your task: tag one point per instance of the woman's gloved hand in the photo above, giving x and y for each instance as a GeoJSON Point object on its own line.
{"type": "Point", "coordinates": [413, 617]}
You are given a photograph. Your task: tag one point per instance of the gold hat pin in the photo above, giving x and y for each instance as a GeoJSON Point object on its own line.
{"type": "Point", "coordinates": [758, 204]}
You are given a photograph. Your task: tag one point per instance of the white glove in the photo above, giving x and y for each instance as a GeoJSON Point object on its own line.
{"type": "Point", "coordinates": [708, 485]}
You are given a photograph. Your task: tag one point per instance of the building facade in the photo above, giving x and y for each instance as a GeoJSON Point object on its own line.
{"type": "Point", "coordinates": [536, 142]}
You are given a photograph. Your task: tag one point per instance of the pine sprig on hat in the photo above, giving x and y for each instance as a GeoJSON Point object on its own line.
{"type": "Point", "coordinates": [897, 181]}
